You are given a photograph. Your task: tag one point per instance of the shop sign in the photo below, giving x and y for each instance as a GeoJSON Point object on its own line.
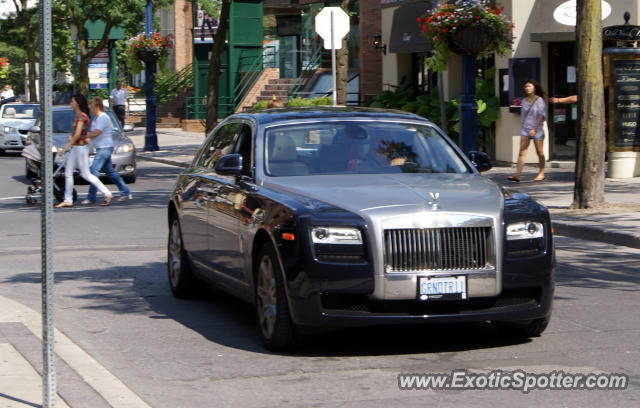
{"type": "Point", "coordinates": [566, 13]}
{"type": "Point", "coordinates": [625, 106]}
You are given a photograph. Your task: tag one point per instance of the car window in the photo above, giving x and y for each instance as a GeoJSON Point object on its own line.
{"type": "Point", "coordinates": [20, 111]}
{"type": "Point", "coordinates": [358, 147]}
{"type": "Point", "coordinates": [63, 121]}
{"type": "Point", "coordinates": [217, 145]}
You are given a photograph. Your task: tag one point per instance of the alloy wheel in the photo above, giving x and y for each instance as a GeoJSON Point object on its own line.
{"type": "Point", "coordinates": [266, 299]}
{"type": "Point", "coordinates": [175, 253]}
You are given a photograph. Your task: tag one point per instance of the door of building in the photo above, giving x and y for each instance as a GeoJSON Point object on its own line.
{"type": "Point", "coordinates": [562, 118]}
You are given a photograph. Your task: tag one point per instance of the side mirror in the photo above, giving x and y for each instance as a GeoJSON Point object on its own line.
{"type": "Point", "coordinates": [128, 128]}
{"type": "Point", "coordinates": [480, 160]}
{"type": "Point", "coordinates": [229, 165]}
{"type": "Point", "coordinates": [34, 129]}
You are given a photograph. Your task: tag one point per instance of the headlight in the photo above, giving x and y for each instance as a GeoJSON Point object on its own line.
{"type": "Point", "coordinates": [54, 149]}
{"type": "Point", "coordinates": [6, 129]}
{"type": "Point", "coordinates": [124, 148]}
{"type": "Point", "coordinates": [336, 235]}
{"type": "Point", "coordinates": [524, 230]}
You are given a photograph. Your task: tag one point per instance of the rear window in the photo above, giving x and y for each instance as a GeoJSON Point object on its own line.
{"type": "Point", "coordinates": [20, 111]}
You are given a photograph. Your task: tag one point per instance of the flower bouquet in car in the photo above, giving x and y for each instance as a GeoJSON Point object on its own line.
{"type": "Point", "coordinates": [475, 27]}
{"type": "Point", "coordinates": [151, 49]}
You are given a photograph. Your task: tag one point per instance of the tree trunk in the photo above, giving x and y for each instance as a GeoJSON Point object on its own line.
{"type": "Point", "coordinates": [589, 175]}
{"type": "Point", "coordinates": [214, 66]}
{"type": "Point", "coordinates": [31, 62]}
{"type": "Point", "coordinates": [342, 60]}
{"type": "Point", "coordinates": [342, 72]}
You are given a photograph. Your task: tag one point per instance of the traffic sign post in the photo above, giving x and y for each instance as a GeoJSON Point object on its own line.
{"type": "Point", "coordinates": [332, 24]}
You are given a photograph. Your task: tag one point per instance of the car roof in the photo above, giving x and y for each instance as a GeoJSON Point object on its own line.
{"type": "Point", "coordinates": [267, 116]}
{"type": "Point", "coordinates": [21, 104]}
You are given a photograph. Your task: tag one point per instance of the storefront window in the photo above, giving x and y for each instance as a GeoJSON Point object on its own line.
{"type": "Point", "coordinates": [563, 118]}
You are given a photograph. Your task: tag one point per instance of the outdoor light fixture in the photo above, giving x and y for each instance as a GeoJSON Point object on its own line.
{"type": "Point", "coordinates": [377, 42]}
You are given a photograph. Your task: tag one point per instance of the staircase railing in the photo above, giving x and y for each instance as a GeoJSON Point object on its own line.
{"type": "Point", "coordinates": [306, 72]}
{"type": "Point", "coordinates": [165, 88]}
{"type": "Point", "coordinates": [247, 79]}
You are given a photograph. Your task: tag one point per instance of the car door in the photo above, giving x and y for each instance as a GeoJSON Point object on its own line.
{"type": "Point", "coordinates": [227, 237]}
{"type": "Point", "coordinates": [221, 256]}
{"type": "Point", "coordinates": [196, 196]}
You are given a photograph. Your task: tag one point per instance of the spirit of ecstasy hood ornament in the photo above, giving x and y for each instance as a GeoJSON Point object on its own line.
{"type": "Point", "coordinates": [434, 198]}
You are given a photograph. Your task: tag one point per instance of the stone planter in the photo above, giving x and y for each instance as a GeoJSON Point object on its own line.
{"type": "Point", "coordinates": [470, 40]}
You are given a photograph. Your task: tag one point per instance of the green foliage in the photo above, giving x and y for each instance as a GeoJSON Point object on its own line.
{"type": "Point", "coordinates": [295, 102]}
{"type": "Point", "coordinates": [428, 105]}
{"type": "Point", "coordinates": [260, 105]}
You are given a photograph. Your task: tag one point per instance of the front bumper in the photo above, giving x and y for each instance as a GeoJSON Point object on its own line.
{"type": "Point", "coordinates": [12, 141]}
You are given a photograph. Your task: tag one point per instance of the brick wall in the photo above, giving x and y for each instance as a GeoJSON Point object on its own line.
{"type": "Point", "coordinates": [370, 57]}
{"type": "Point", "coordinates": [183, 20]}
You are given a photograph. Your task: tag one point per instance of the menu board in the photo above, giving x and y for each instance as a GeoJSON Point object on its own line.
{"type": "Point", "coordinates": [626, 100]}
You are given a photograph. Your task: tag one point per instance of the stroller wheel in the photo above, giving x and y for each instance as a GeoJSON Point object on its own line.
{"type": "Point", "coordinates": [59, 195]}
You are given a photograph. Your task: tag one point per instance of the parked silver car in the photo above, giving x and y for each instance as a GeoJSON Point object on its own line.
{"type": "Point", "coordinates": [15, 121]}
{"type": "Point", "coordinates": [124, 154]}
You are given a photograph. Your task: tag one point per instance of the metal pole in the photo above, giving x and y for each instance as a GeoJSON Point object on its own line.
{"type": "Point", "coordinates": [46, 207]}
{"type": "Point", "coordinates": [468, 106]}
{"type": "Point", "coordinates": [333, 63]}
{"type": "Point", "coordinates": [150, 137]}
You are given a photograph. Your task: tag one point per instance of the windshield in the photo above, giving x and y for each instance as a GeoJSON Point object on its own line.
{"type": "Point", "coordinates": [20, 111]}
{"type": "Point", "coordinates": [358, 147]}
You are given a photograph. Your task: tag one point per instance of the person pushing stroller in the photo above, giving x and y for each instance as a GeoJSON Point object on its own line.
{"type": "Point", "coordinates": [100, 135]}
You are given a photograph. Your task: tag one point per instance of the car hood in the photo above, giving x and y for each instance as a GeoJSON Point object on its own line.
{"type": "Point", "coordinates": [397, 193]}
{"type": "Point", "coordinates": [21, 124]}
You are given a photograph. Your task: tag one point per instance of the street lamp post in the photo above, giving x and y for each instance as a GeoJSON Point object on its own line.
{"type": "Point", "coordinates": [150, 137]}
{"type": "Point", "coordinates": [468, 105]}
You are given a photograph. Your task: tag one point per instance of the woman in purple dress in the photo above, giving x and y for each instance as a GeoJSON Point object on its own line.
{"type": "Point", "coordinates": [534, 113]}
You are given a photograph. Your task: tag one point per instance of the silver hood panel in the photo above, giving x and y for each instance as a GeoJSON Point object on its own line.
{"type": "Point", "coordinates": [391, 194]}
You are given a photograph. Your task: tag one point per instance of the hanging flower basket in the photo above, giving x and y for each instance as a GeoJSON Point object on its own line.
{"type": "Point", "coordinates": [150, 49]}
{"type": "Point", "coordinates": [470, 40]}
{"type": "Point", "coordinates": [468, 28]}
{"type": "Point", "coordinates": [148, 55]}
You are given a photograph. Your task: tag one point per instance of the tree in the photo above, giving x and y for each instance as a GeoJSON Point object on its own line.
{"type": "Point", "coordinates": [589, 174]}
{"type": "Point", "coordinates": [342, 60]}
{"type": "Point", "coordinates": [214, 66]}
{"type": "Point", "coordinates": [112, 13]}
{"type": "Point", "coordinates": [24, 30]}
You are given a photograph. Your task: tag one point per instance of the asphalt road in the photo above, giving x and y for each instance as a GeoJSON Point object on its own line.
{"type": "Point", "coordinates": [112, 299]}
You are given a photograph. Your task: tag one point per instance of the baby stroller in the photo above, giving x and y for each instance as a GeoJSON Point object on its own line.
{"type": "Point", "coordinates": [34, 191]}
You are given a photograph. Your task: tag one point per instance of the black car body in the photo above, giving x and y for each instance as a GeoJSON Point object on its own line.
{"type": "Point", "coordinates": [304, 213]}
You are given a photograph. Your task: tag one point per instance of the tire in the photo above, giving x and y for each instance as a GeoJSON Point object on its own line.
{"type": "Point", "coordinates": [59, 194]}
{"type": "Point", "coordinates": [277, 330]}
{"type": "Point", "coordinates": [529, 328]}
{"type": "Point", "coordinates": [181, 279]}
{"type": "Point", "coordinates": [129, 179]}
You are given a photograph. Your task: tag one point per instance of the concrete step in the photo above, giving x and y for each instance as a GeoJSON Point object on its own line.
{"type": "Point", "coordinates": [276, 87]}
{"type": "Point", "coordinates": [282, 81]}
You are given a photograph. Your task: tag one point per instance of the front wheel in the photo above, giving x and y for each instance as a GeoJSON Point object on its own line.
{"type": "Point", "coordinates": [181, 278]}
{"type": "Point", "coordinates": [277, 330]}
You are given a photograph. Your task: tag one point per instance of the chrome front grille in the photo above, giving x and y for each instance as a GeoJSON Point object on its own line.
{"type": "Point", "coordinates": [437, 249]}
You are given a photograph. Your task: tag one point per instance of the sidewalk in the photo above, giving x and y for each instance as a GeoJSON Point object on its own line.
{"type": "Point", "coordinates": [617, 224]}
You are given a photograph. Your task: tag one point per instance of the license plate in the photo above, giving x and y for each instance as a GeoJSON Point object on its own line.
{"type": "Point", "coordinates": [446, 287]}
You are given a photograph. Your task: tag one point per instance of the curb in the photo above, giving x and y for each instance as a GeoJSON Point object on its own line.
{"type": "Point", "coordinates": [596, 233]}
